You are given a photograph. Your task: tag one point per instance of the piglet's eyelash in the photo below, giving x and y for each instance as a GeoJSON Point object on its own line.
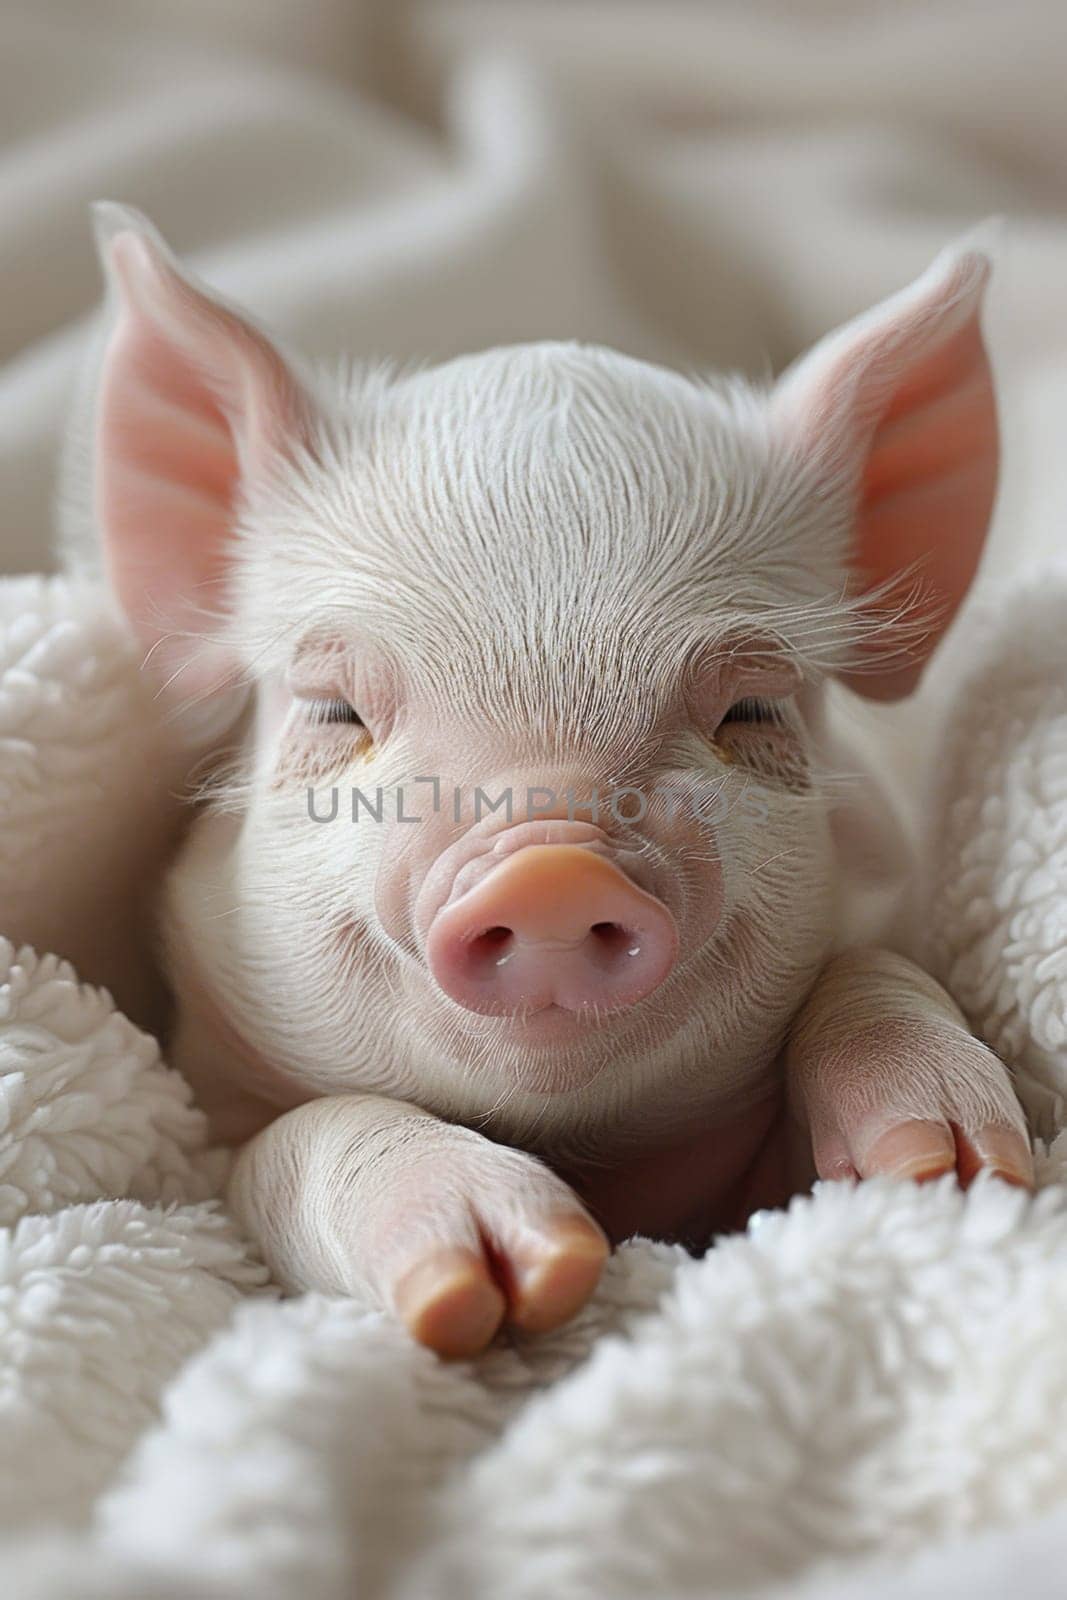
{"type": "Point", "coordinates": [754, 711]}
{"type": "Point", "coordinates": [324, 713]}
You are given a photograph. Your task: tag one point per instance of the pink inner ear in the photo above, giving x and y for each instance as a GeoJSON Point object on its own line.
{"type": "Point", "coordinates": [899, 405]}
{"type": "Point", "coordinates": [928, 489]}
{"type": "Point", "coordinates": [192, 399]}
{"type": "Point", "coordinates": [166, 478]}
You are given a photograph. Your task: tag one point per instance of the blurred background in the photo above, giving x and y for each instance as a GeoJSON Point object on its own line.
{"type": "Point", "coordinates": [708, 184]}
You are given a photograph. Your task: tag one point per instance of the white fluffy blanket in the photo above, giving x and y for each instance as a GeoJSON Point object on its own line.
{"type": "Point", "coordinates": [877, 1375]}
{"type": "Point", "coordinates": [875, 1371]}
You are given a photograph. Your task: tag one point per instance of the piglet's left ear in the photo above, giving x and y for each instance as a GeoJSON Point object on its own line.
{"type": "Point", "coordinates": [196, 408]}
{"type": "Point", "coordinates": [897, 408]}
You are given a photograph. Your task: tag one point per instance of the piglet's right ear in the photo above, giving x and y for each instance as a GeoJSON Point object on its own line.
{"type": "Point", "coordinates": [194, 403]}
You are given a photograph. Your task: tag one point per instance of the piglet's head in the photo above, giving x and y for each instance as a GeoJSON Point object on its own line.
{"type": "Point", "coordinates": [518, 660]}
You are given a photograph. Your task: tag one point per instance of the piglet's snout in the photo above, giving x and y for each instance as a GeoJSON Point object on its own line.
{"type": "Point", "coordinates": [553, 925]}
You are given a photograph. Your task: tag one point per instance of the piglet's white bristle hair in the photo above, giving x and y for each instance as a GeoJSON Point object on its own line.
{"type": "Point", "coordinates": [549, 499]}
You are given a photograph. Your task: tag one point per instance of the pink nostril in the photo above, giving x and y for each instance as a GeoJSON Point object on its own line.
{"type": "Point", "coordinates": [610, 944]}
{"type": "Point", "coordinates": [491, 947]}
{"type": "Point", "coordinates": [552, 925]}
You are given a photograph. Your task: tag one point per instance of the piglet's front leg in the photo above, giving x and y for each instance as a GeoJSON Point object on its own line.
{"type": "Point", "coordinates": [888, 1079]}
{"type": "Point", "coordinates": [452, 1232]}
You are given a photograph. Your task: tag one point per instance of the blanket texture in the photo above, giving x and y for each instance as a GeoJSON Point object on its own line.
{"type": "Point", "coordinates": [861, 1397]}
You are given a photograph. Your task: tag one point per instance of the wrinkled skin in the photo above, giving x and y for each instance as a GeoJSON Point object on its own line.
{"type": "Point", "coordinates": [463, 1051]}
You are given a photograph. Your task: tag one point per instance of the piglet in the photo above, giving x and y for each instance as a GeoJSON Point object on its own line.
{"type": "Point", "coordinates": [509, 921]}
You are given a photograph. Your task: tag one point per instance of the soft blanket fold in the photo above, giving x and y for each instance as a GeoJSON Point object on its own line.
{"type": "Point", "coordinates": [867, 1374]}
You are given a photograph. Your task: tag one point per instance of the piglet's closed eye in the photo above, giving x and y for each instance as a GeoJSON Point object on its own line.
{"type": "Point", "coordinates": [194, 404]}
{"type": "Point", "coordinates": [897, 410]}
